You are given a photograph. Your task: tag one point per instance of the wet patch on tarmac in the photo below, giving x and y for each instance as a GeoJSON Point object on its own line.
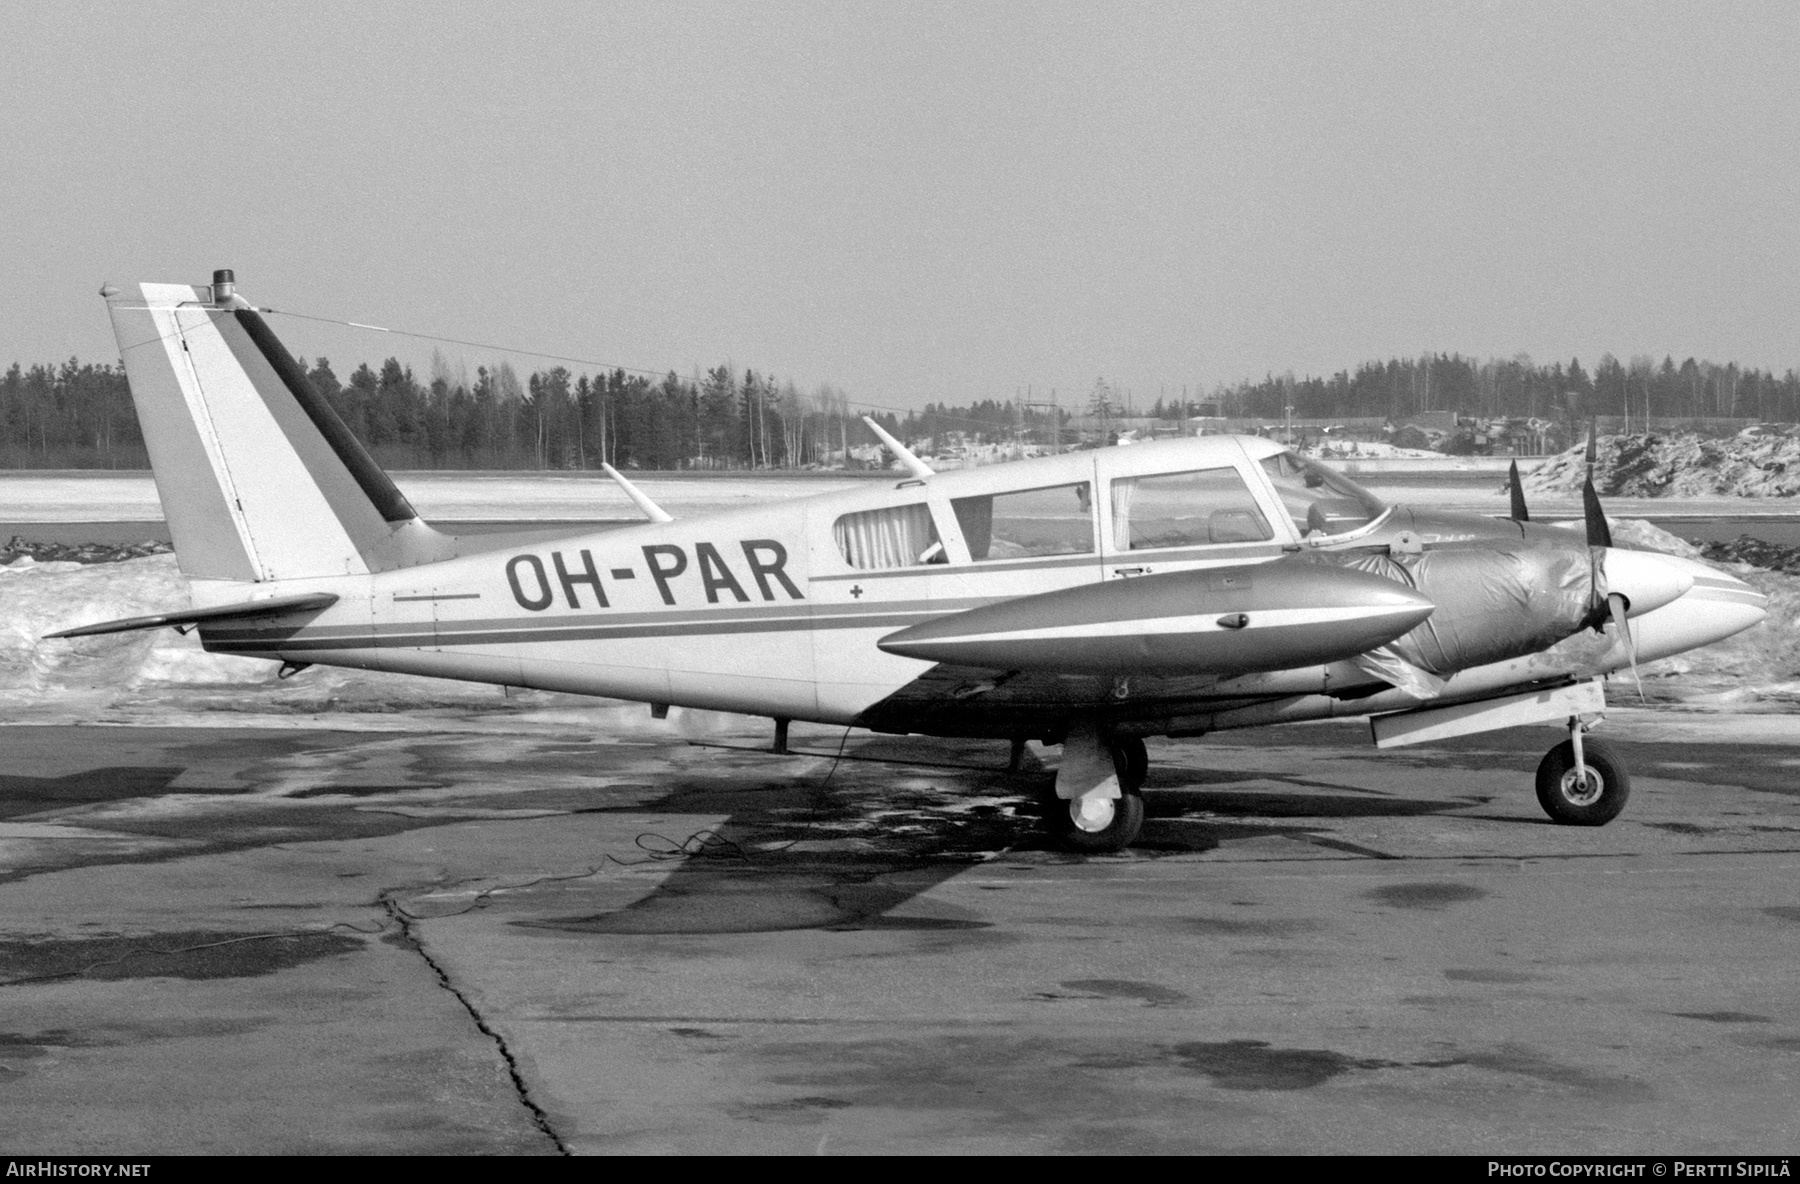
{"type": "Point", "coordinates": [358, 791]}
{"type": "Point", "coordinates": [17, 1046]}
{"type": "Point", "coordinates": [17, 1049]}
{"type": "Point", "coordinates": [989, 1084]}
{"type": "Point", "coordinates": [1255, 1065]}
{"type": "Point", "coordinates": [697, 901]}
{"type": "Point", "coordinates": [250, 826]}
{"type": "Point", "coordinates": [789, 1109]}
{"type": "Point", "coordinates": [1723, 1017]}
{"type": "Point", "coordinates": [1429, 895]}
{"type": "Point", "coordinates": [21, 796]}
{"type": "Point", "coordinates": [1233, 927]}
{"type": "Point", "coordinates": [1149, 994]}
{"type": "Point", "coordinates": [992, 1083]}
{"type": "Point", "coordinates": [1497, 977]}
{"type": "Point", "coordinates": [1525, 1063]}
{"type": "Point", "coordinates": [189, 954]}
{"type": "Point", "coordinates": [1683, 828]}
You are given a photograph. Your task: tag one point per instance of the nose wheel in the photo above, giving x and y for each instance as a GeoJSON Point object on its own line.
{"type": "Point", "coordinates": [1581, 782]}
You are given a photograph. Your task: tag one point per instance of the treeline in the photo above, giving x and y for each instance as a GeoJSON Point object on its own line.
{"type": "Point", "coordinates": [80, 415]}
{"type": "Point", "coordinates": [1497, 388]}
{"type": "Point", "coordinates": [554, 419]}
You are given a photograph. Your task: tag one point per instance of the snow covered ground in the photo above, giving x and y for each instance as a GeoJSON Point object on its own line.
{"type": "Point", "coordinates": [524, 497]}
{"type": "Point", "coordinates": [1368, 448]}
{"type": "Point", "coordinates": [1753, 464]}
{"type": "Point", "coordinates": [161, 677]}
{"type": "Point", "coordinates": [164, 678]}
{"type": "Point", "coordinates": [466, 497]}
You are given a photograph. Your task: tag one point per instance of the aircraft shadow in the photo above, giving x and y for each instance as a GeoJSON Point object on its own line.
{"type": "Point", "coordinates": [21, 796]}
{"type": "Point", "coordinates": [855, 851]}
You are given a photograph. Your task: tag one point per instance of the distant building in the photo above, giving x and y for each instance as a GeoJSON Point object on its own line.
{"type": "Point", "coordinates": [1430, 421]}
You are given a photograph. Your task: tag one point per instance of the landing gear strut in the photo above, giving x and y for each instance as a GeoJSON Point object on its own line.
{"type": "Point", "coordinates": [1581, 782]}
{"type": "Point", "coordinates": [1096, 805]}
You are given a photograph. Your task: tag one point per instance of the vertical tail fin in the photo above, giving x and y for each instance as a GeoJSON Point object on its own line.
{"type": "Point", "coordinates": [259, 478]}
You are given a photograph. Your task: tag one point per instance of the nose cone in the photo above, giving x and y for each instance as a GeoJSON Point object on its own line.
{"type": "Point", "coordinates": [1646, 579]}
{"type": "Point", "coordinates": [1717, 606]}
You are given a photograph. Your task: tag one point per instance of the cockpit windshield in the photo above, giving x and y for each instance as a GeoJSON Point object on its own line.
{"type": "Point", "coordinates": [1318, 500]}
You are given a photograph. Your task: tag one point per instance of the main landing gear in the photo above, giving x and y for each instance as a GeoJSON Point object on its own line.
{"type": "Point", "coordinates": [1581, 782]}
{"type": "Point", "coordinates": [1097, 804]}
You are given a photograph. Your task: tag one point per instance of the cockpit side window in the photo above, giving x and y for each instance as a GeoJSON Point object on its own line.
{"type": "Point", "coordinates": [1057, 520]}
{"type": "Point", "coordinates": [1196, 508]}
{"type": "Point", "coordinates": [897, 536]}
{"type": "Point", "coordinates": [1319, 500]}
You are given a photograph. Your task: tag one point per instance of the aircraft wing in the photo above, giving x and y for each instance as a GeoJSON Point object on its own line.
{"type": "Point", "coordinates": [274, 606]}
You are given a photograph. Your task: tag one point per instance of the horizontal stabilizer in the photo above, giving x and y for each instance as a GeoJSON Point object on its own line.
{"type": "Point", "coordinates": [275, 606]}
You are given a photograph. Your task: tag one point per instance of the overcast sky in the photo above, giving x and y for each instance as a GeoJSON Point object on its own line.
{"type": "Point", "coordinates": [919, 201]}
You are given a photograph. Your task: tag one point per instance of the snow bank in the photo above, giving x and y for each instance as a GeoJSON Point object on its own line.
{"type": "Point", "coordinates": [1376, 449]}
{"type": "Point", "coordinates": [42, 598]}
{"type": "Point", "coordinates": [1758, 670]}
{"type": "Point", "coordinates": [137, 676]}
{"type": "Point", "coordinates": [1752, 464]}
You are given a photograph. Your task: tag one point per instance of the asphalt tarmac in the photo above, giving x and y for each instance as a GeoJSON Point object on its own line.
{"type": "Point", "coordinates": [608, 939]}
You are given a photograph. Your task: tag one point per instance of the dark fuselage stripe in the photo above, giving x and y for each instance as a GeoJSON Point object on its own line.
{"type": "Point", "coordinates": [534, 632]}
{"type": "Point", "coordinates": [709, 621]}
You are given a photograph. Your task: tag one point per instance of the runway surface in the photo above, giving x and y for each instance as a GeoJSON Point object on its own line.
{"type": "Point", "coordinates": [591, 935]}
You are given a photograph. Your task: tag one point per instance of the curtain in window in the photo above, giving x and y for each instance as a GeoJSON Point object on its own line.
{"type": "Point", "coordinates": [898, 537]}
{"type": "Point", "coordinates": [1123, 494]}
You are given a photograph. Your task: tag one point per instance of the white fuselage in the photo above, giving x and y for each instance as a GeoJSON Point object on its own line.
{"type": "Point", "coordinates": [775, 611]}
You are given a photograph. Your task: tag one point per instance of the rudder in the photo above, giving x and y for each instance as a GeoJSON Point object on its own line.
{"type": "Point", "coordinates": [259, 478]}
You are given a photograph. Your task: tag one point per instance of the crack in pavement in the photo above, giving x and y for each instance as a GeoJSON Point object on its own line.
{"type": "Point", "coordinates": [538, 1116]}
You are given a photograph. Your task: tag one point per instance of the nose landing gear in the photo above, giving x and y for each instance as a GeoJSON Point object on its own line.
{"type": "Point", "coordinates": [1581, 782]}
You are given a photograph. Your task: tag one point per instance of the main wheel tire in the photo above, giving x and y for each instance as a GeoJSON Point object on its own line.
{"type": "Point", "coordinates": [1095, 825]}
{"type": "Point", "coordinates": [1570, 803]}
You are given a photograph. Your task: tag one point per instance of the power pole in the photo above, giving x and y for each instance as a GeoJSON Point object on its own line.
{"type": "Point", "coordinates": [1055, 418]}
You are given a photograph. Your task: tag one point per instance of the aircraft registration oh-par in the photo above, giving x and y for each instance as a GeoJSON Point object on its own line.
{"type": "Point", "coordinates": [1088, 600]}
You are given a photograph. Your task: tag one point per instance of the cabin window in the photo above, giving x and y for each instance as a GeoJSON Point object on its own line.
{"type": "Point", "coordinates": [1058, 520]}
{"type": "Point", "coordinates": [1319, 500]}
{"type": "Point", "coordinates": [898, 536]}
{"type": "Point", "coordinates": [1192, 509]}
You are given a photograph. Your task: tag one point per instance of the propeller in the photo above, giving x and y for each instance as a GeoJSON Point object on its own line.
{"type": "Point", "coordinates": [1519, 512]}
{"type": "Point", "coordinates": [1615, 604]}
{"type": "Point", "coordinates": [1599, 534]}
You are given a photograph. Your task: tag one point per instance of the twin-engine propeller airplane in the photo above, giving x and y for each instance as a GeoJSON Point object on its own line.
{"type": "Point", "coordinates": [1087, 600]}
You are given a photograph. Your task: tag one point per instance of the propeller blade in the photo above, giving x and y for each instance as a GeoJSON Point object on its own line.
{"type": "Point", "coordinates": [1519, 512]}
{"type": "Point", "coordinates": [1599, 534]}
{"type": "Point", "coordinates": [1593, 445]}
{"type": "Point", "coordinates": [1615, 603]}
